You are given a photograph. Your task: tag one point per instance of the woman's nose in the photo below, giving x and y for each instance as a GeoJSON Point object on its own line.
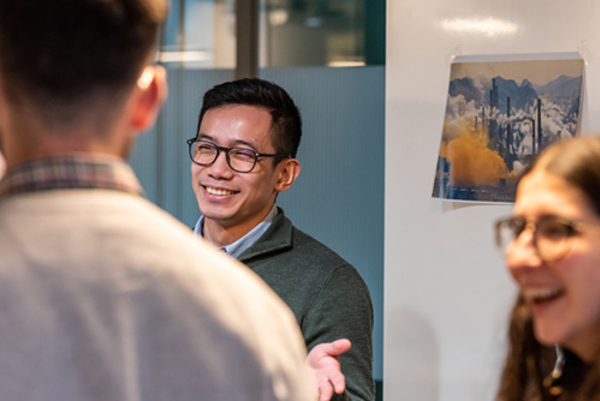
{"type": "Point", "coordinates": [522, 253]}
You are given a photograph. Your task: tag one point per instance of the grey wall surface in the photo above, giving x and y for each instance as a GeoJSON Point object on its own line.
{"type": "Point", "coordinates": [339, 195]}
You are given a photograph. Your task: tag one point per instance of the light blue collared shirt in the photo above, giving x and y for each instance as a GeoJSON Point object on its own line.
{"type": "Point", "coordinates": [238, 247]}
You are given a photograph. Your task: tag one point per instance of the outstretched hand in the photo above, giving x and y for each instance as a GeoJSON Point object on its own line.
{"type": "Point", "coordinates": [324, 363]}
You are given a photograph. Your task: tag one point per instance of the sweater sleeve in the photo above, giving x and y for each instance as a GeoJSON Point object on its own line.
{"type": "Point", "coordinates": [342, 309]}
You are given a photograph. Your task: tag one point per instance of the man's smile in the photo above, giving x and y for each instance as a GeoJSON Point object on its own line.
{"type": "Point", "coordinates": [219, 191]}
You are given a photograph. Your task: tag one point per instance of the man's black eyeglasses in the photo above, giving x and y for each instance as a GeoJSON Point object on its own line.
{"type": "Point", "coordinates": [241, 160]}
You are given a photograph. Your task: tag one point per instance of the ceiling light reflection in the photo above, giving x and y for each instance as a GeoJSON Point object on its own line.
{"type": "Point", "coordinates": [346, 63]}
{"type": "Point", "coordinates": [184, 56]}
{"type": "Point", "coordinates": [278, 17]}
{"type": "Point", "coordinates": [486, 26]}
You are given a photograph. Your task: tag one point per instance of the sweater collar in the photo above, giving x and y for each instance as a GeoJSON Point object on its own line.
{"type": "Point", "coordinates": [278, 237]}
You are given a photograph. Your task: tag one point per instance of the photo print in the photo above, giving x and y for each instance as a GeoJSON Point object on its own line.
{"type": "Point", "coordinates": [499, 115]}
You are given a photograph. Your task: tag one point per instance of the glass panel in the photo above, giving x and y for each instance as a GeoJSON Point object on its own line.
{"type": "Point", "coordinates": [338, 197]}
{"type": "Point", "coordinates": [199, 34]}
{"type": "Point", "coordinates": [319, 32]}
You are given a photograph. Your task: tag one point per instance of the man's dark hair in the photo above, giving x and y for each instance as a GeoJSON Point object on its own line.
{"type": "Point", "coordinates": [286, 123]}
{"type": "Point", "coordinates": [55, 53]}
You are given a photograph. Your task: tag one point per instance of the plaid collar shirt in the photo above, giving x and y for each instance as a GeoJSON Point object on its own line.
{"type": "Point", "coordinates": [70, 172]}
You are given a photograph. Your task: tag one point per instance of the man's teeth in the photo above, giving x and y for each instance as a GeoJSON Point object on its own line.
{"type": "Point", "coordinates": [540, 293]}
{"type": "Point", "coordinates": [219, 192]}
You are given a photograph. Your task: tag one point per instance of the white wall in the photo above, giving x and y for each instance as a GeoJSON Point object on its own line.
{"type": "Point", "coordinates": [447, 293]}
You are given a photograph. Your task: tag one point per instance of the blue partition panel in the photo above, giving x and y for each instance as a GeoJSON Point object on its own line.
{"type": "Point", "coordinates": [339, 195]}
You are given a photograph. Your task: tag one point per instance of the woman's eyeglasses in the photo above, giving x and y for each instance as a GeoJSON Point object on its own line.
{"type": "Point", "coordinates": [552, 235]}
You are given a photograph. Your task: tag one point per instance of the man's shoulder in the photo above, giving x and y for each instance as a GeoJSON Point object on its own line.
{"type": "Point", "coordinates": [115, 242]}
{"type": "Point", "coordinates": [122, 232]}
{"type": "Point", "coordinates": [288, 247]}
{"type": "Point", "coordinates": [121, 260]}
{"type": "Point", "coordinates": [306, 243]}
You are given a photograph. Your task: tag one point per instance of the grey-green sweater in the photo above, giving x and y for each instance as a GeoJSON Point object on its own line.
{"type": "Point", "coordinates": [326, 293]}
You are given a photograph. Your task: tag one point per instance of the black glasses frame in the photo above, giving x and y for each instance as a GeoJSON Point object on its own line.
{"type": "Point", "coordinates": [518, 224]}
{"type": "Point", "coordinates": [220, 149]}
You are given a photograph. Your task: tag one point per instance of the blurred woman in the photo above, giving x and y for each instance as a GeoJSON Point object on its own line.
{"type": "Point", "coordinates": [552, 249]}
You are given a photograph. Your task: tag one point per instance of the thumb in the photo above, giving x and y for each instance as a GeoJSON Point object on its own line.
{"type": "Point", "coordinates": [337, 347]}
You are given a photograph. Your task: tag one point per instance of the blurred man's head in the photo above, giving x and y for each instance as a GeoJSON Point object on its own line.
{"type": "Point", "coordinates": [67, 62]}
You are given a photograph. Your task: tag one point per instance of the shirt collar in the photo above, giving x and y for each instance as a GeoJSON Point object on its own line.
{"type": "Point", "coordinates": [75, 171]}
{"type": "Point", "coordinates": [235, 249]}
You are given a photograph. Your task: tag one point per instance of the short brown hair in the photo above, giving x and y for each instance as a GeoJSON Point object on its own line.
{"type": "Point", "coordinates": [286, 123]}
{"type": "Point", "coordinates": [56, 53]}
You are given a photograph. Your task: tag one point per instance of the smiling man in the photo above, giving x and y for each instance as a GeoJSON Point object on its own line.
{"type": "Point", "coordinates": [243, 156]}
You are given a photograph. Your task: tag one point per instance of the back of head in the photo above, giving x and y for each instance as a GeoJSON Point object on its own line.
{"type": "Point", "coordinates": [286, 126]}
{"type": "Point", "coordinates": [57, 55]}
{"type": "Point", "coordinates": [577, 162]}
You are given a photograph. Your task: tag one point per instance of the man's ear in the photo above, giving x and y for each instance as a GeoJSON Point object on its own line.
{"type": "Point", "coordinates": [289, 171]}
{"type": "Point", "coordinates": [151, 91]}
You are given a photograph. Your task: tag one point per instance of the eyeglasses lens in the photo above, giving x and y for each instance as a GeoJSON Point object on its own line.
{"type": "Point", "coordinates": [551, 235]}
{"type": "Point", "coordinates": [241, 160]}
{"type": "Point", "coordinates": [553, 238]}
{"type": "Point", "coordinates": [204, 153]}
